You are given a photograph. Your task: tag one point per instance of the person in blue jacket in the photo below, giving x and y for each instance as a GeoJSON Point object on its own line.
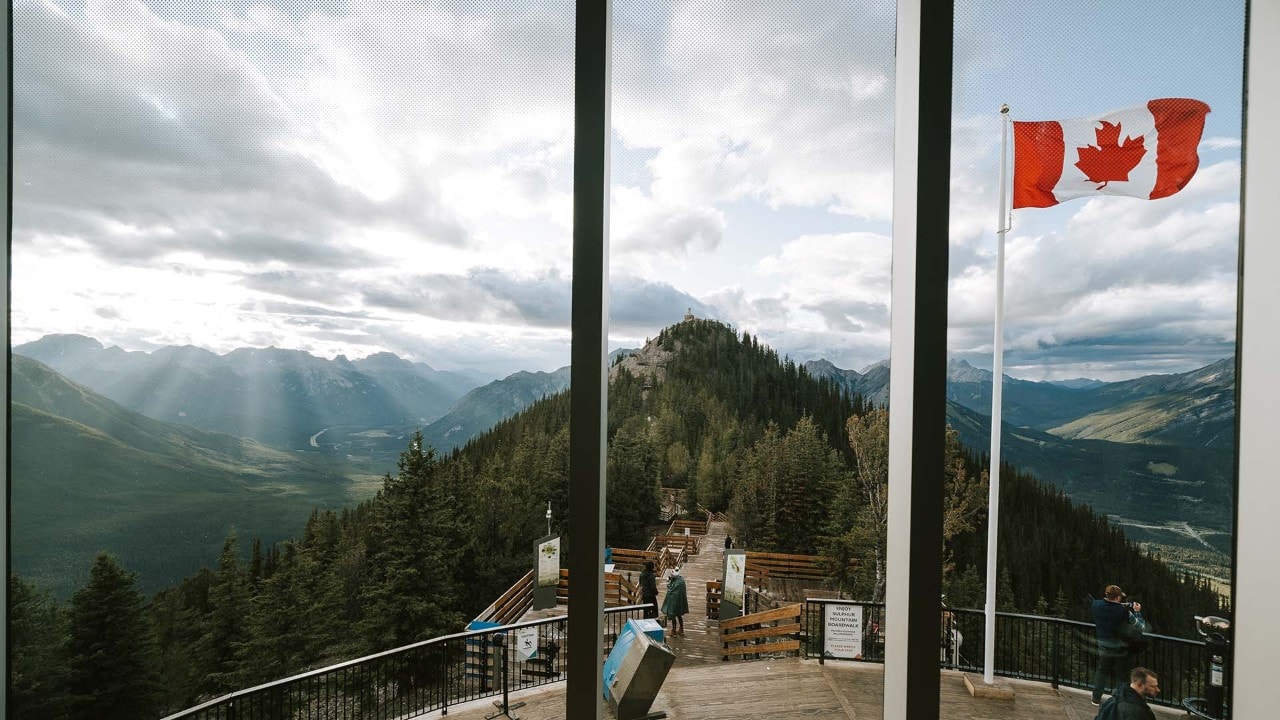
{"type": "Point", "coordinates": [1110, 615]}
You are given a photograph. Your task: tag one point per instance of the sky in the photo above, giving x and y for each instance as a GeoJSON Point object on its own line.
{"type": "Point", "coordinates": [356, 177]}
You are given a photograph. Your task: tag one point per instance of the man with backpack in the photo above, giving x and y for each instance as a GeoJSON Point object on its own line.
{"type": "Point", "coordinates": [1129, 702]}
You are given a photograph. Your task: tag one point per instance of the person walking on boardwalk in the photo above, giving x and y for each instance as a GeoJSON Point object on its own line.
{"type": "Point", "coordinates": [1110, 614]}
{"type": "Point", "coordinates": [649, 590]}
{"type": "Point", "coordinates": [1129, 701]}
{"type": "Point", "coordinates": [676, 603]}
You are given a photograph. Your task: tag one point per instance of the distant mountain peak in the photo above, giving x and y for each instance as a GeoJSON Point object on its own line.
{"type": "Point", "coordinates": [59, 343]}
{"type": "Point", "coordinates": [961, 371]}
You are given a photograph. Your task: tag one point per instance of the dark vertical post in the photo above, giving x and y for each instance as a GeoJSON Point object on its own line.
{"type": "Point", "coordinates": [922, 155]}
{"type": "Point", "coordinates": [929, 412]}
{"type": "Point", "coordinates": [1057, 647]}
{"type": "Point", "coordinates": [587, 379]}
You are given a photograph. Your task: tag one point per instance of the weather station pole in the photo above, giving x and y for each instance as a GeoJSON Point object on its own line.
{"type": "Point", "coordinates": [997, 388]}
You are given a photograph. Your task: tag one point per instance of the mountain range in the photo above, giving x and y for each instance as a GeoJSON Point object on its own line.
{"type": "Point", "coordinates": [278, 397]}
{"type": "Point", "coordinates": [129, 439]}
{"type": "Point", "coordinates": [1192, 409]}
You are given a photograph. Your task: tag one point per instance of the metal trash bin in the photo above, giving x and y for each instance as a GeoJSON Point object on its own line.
{"type": "Point", "coordinates": [636, 669]}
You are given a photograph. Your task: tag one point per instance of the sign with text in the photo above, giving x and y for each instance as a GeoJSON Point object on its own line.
{"type": "Point", "coordinates": [526, 643]}
{"type": "Point", "coordinates": [547, 575]}
{"type": "Point", "coordinates": [842, 631]}
{"type": "Point", "coordinates": [735, 577]}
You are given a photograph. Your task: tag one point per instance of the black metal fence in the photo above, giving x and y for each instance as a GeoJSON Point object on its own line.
{"type": "Point", "coordinates": [1030, 647]}
{"type": "Point", "coordinates": [430, 675]}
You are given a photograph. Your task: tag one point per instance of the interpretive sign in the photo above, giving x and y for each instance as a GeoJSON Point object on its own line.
{"type": "Point", "coordinates": [547, 575]}
{"type": "Point", "coordinates": [842, 631]}
{"type": "Point", "coordinates": [735, 577]}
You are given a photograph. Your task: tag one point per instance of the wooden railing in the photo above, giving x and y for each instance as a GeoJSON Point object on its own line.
{"type": "Point", "coordinates": [768, 632]}
{"type": "Point", "coordinates": [512, 604]}
{"type": "Point", "coordinates": [695, 527]}
{"type": "Point", "coordinates": [686, 543]}
{"type": "Point", "coordinates": [756, 601]}
{"type": "Point", "coordinates": [626, 559]}
{"type": "Point", "coordinates": [713, 516]}
{"type": "Point", "coordinates": [782, 566]}
{"type": "Point", "coordinates": [673, 500]}
{"type": "Point", "coordinates": [619, 590]}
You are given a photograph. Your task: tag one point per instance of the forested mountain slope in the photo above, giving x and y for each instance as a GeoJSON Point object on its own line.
{"type": "Point", "coordinates": [703, 407]}
{"type": "Point", "coordinates": [89, 475]}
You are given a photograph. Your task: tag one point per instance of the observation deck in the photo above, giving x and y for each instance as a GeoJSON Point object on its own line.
{"type": "Point", "coordinates": [798, 688]}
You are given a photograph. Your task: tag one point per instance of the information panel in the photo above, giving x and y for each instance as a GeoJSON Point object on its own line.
{"type": "Point", "coordinates": [735, 575]}
{"type": "Point", "coordinates": [547, 578]}
{"type": "Point", "coordinates": [842, 631]}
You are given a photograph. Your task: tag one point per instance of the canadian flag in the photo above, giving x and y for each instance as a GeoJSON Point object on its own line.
{"type": "Point", "coordinates": [1148, 151]}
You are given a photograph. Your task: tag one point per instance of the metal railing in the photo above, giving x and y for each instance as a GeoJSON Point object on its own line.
{"type": "Point", "coordinates": [419, 678]}
{"type": "Point", "coordinates": [1029, 647]}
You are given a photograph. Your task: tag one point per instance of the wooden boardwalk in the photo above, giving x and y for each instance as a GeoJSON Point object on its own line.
{"type": "Point", "coordinates": [796, 688]}
{"type": "Point", "coordinates": [701, 641]}
{"type": "Point", "coordinates": [700, 686]}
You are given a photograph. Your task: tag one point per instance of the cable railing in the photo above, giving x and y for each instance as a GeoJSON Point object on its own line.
{"type": "Point", "coordinates": [1028, 647]}
{"type": "Point", "coordinates": [426, 676]}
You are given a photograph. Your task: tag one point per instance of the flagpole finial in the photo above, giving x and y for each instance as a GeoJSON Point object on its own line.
{"type": "Point", "coordinates": [1004, 108]}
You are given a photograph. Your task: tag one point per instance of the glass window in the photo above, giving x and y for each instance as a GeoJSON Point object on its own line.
{"type": "Point", "coordinates": [1119, 337]}
{"type": "Point", "coordinates": [255, 247]}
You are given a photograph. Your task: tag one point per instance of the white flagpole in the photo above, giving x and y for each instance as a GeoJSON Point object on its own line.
{"type": "Point", "coordinates": [997, 388]}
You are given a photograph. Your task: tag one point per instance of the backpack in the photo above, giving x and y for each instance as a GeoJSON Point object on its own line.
{"type": "Point", "coordinates": [1109, 710]}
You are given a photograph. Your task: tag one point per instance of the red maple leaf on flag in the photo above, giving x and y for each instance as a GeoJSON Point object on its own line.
{"type": "Point", "coordinates": [1110, 160]}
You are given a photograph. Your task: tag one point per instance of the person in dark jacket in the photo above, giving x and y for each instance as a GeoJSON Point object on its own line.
{"type": "Point", "coordinates": [1109, 617]}
{"type": "Point", "coordinates": [1129, 702]}
{"type": "Point", "coordinates": [649, 590]}
{"type": "Point", "coordinates": [676, 603]}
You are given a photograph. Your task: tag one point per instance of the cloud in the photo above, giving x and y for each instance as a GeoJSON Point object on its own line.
{"type": "Point", "coordinates": [647, 233]}
{"type": "Point", "coordinates": [398, 176]}
{"type": "Point", "coordinates": [790, 106]}
{"type": "Point", "coordinates": [1124, 281]}
{"type": "Point", "coordinates": [831, 299]}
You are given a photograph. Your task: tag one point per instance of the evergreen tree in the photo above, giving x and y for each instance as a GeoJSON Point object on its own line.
{"type": "Point", "coordinates": [224, 632]}
{"type": "Point", "coordinates": [753, 509]}
{"type": "Point", "coordinates": [964, 589]}
{"type": "Point", "coordinates": [112, 672]}
{"type": "Point", "coordinates": [632, 494]}
{"type": "Point", "coordinates": [37, 653]}
{"type": "Point", "coordinates": [810, 468]}
{"type": "Point", "coordinates": [413, 548]}
{"type": "Point", "coordinates": [1005, 599]}
{"type": "Point", "coordinates": [179, 616]}
{"type": "Point", "coordinates": [862, 506]}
